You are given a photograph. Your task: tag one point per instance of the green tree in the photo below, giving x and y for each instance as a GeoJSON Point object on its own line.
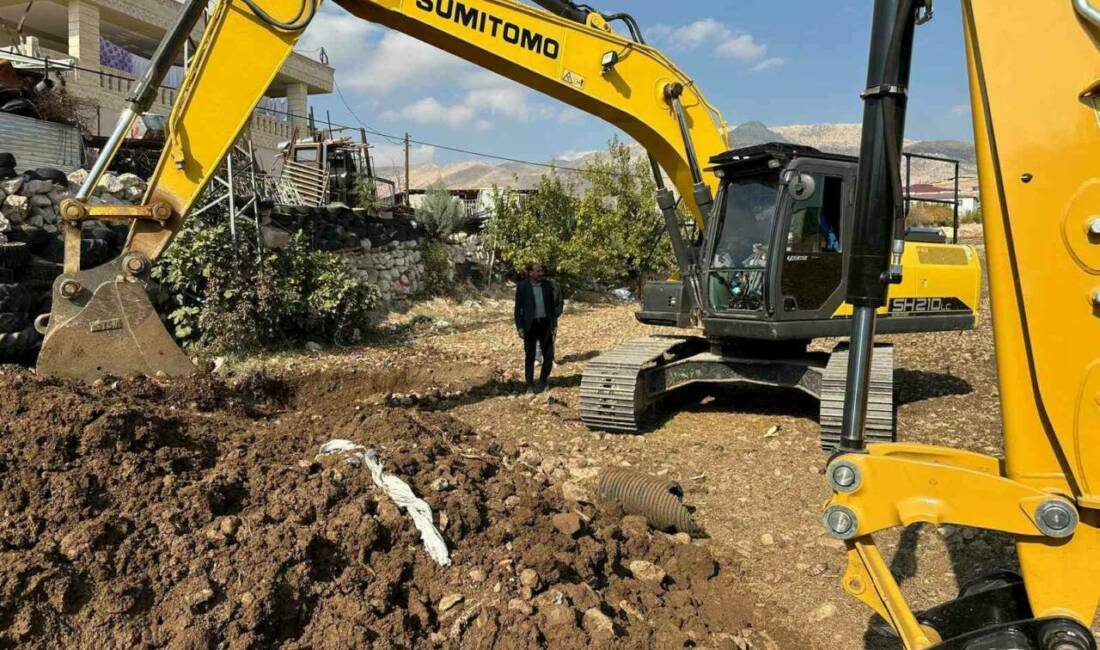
{"type": "Point", "coordinates": [533, 228]}
{"type": "Point", "coordinates": [613, 230]}
{"type": "Point", "coordinates": [619, 227]}
{"type": "Point", "coordinates": [441, 214]}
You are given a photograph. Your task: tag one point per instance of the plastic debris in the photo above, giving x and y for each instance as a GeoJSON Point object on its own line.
{"type": "Point", "coordinates": [397, 490]}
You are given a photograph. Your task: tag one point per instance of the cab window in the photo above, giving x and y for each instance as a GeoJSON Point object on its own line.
{"type": "Point", "coordinates": [815, 222]}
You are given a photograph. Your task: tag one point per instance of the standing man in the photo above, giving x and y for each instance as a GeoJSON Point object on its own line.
{"type": "Point", "coordinates": [538, 306]}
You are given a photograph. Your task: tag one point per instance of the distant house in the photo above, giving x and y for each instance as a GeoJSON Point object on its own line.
{"type": "Point", "coordinates": [478, 202]}
{"type": "Point", "coordinates": [969, 199]}
{"type": "Point", "coordinates": [100, 47]}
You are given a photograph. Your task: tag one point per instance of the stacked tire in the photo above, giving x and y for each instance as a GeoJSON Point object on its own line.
{"type": "Point", "coordinates": [7, 167]}
{"type": "Point", "coordinates": [18, 304]}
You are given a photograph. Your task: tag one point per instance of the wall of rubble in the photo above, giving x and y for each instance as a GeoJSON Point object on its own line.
{"type": "Point", "coordinates": [397, 267]}
{"type": "Point", "coordinates": [27, 203]}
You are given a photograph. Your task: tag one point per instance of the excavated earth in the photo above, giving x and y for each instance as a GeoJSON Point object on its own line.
{"type": "Point", "coordinates": [141, 514]}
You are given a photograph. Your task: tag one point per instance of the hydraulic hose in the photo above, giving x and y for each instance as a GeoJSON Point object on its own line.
{"type": "Point", "coordinates": [565, 9]}
{"type": "Point", "coordinates": [300, 21]}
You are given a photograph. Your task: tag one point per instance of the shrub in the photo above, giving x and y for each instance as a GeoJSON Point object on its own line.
{"type": "Point", "coordinates": [439, 269]}
{"type": "Point", "coordinates": [441, 214]}
{"type": "Point", "coordinates": [226, 299]}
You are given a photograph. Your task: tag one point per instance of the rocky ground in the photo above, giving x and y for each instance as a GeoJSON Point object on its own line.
{"type": "Point", "coordinates": [139, 514]}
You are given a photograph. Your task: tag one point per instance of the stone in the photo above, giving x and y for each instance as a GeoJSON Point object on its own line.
{"type": "Point", "coordinates": [521, 606]}
{"type": "Point", "coordinates": [365, 244]}
{"type": "Point", "coordinates": [447, 602]}
{"type": "Point", "coordinates": [12, 186]}
{"type": "Point", "coordinates": [78, 177]}
{"type": "Point", "coordinates": [37, 187]}
{"type": "Point", "coordinates": [5, 225]}
{"type": "Point", "coordinates": [574, 492]}
{"type": "Point", "coordinates": [313, 346]}
{"type": "Point", "coordinates": [767, 539]}
{"type": "Point", "coordinates": [57, 196]}
{"type": "Point", "coordinates": [41, 201]}
{"type": "Point", "coordinates": [476, 575]}
{"type": "Point", "coordinates": [646, 571]}
{"type": "Point", "coordinates": [529, 578]}
{"type": "Point", "coordinates": [133, 194]}
{"type": "Point", "coordinates": [441, 484]}
{"type": "Point", "coordinates": [130, 180]}
{"type": "Point", "coordinates": [110, 184]}
{"type": "Point", "coordinates": [598, 625]}
{"type": "Point", "coordinates": [16, 204]}
{"type": "Point", "coordinates": [247, 598]}
{"type": "Point", "coordinates": [826, 611]}
{"type": "Point", "coordinates": [681, 538]}
{"type": "Point", "coordinates": [198, 598]}
{"type": "Point", "coordinates": [568, 523]}
{"type": "Point", "coordinates": [229, 525]}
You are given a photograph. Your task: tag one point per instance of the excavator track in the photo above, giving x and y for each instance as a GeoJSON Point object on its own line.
{"type": "Point", "coordinates": [614, 394]}
{"type": "Point", "coordinates": [881, 414]}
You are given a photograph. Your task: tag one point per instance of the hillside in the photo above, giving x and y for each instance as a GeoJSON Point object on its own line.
{"type": "Point", "coordinates": [835, 138]}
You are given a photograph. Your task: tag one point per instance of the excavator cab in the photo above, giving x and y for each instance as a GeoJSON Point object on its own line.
{"type": "Point", "coordinates": [776, 244]}
{"type": "Point", "coordinates": [769, 275]}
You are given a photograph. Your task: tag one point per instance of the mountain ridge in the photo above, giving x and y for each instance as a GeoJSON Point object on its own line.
{"type": "Point", "coordinates": [839, 138]}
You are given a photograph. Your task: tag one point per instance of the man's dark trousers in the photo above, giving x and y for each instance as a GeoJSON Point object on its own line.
{"type": "Point", "coordinates": [541, 332]}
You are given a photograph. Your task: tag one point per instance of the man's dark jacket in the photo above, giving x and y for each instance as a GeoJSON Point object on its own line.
{"type": "Point", "coordinates": [525, 303]}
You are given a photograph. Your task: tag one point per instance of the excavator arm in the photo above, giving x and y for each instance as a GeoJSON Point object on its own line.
{"type": "Point", "coordinates": [571, 54]}
{"type": "Point", "coordinates": [1037, 132]}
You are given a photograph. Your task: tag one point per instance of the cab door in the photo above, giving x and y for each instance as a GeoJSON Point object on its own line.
{"type": "Point", "coordinates": [811, 236]}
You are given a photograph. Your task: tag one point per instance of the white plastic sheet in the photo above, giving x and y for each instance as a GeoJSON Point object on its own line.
{"type": "Point", "coordinates": [397, 490]}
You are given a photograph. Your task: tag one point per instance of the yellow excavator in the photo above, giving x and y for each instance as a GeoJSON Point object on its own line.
{"type": "Point", "coordinates": [762, 275]}
{"type": "Point", "coordinates": [1034, 69]}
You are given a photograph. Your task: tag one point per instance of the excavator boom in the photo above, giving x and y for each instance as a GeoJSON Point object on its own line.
{"type": "Point", "coordinates": [101, 325]}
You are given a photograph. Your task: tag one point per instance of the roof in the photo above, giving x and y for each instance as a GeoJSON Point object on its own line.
{"type": "Point", "coordinates": [757, 155]}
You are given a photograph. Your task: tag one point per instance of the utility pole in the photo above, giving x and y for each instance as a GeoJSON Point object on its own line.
{"type": "Point", "coordinates": [408, 188]}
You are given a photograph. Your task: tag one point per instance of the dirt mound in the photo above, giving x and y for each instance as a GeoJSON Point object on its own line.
{"type": "Point", "coordinates": [196, 515]}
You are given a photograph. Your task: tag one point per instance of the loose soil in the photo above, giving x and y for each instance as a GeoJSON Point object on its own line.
{"type": "Point", "coordinates": [140, 514]}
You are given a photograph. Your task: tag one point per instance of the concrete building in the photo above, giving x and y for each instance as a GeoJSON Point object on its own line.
{"type": "Point", "coordinates": [111, 41]}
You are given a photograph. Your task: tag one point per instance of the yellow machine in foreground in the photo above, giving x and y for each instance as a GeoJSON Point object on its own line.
{"type": "Point", "coordinates": [762, 278]}
{"type": "Point", "coordinates": [1034, 80]}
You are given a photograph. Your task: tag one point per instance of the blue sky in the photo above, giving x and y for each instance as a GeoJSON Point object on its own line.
{"type": "Point", "coordinates": [779, 63]}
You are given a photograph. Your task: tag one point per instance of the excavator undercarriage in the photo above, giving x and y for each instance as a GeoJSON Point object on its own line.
{"type": "Point", "coordinates": [623, 389]}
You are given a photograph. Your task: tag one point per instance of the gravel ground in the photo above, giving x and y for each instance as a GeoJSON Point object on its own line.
{"type": "Point", "coordinates": [748, 460]}
{"type": "Point", "coordinates": [758, 496]}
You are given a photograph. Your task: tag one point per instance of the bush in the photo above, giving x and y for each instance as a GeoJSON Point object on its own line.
{"type": "Point", "coordinates": [226, 299]}
{"type": "Point", "coordinates": [439, 269]}
{"type": "Point", "coordinates": [441, 214]}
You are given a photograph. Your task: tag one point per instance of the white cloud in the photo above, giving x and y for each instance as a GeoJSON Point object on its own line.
{"type": "Point", "coordinates": [478, 107]}
{"type": "Point", "coordinates": [723, 41]}
{"type": "Point", "coordinates": [768, 64]}
{"type": "Point", "coordinates": [694, 35]}
{"type": "Point", "coordinates": [741, 47]}
{"type": "Point", "coordinates": [430, 111]}
{"type": "Point", "coordinates": [339, 33]}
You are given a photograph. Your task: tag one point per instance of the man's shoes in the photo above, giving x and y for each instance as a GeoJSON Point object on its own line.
{"type": "Point", "coordinates": [530, 391]}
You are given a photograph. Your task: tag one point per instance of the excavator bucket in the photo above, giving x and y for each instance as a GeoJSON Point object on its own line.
{"type": "Point", "coordinates": [103, 324]}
